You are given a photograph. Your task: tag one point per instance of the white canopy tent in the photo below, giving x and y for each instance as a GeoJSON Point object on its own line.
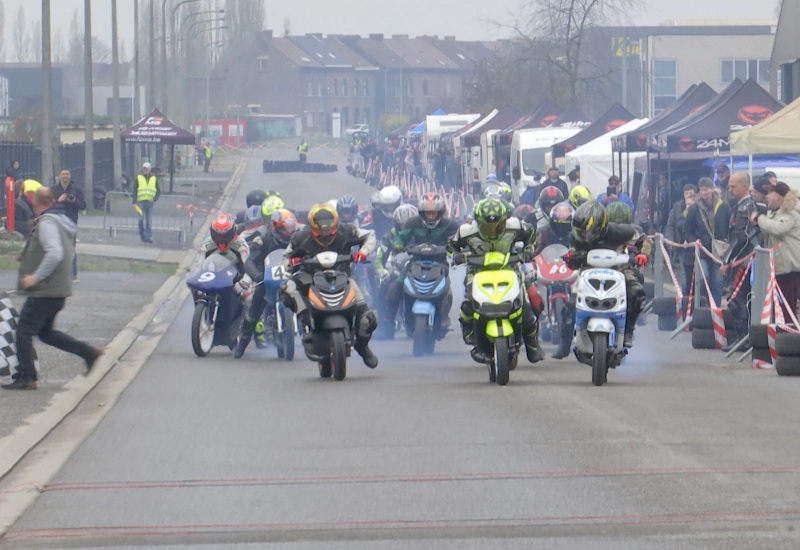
{"type": "Point", "coordinates": [596, 158]}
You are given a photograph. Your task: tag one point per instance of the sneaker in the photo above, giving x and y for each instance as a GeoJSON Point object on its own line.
{"type": "Point", "coordinates": [92, 359]}
{"type": "Point", "coordinates": [20, 384]}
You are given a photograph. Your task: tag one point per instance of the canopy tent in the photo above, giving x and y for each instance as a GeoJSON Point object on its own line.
{"type": "Point", "coordinates": [572, 117]}
{"type": "Point", "coordinates": [778, 134]}
{"type": "Point", "coordinates": [157, 129]}
{"type": "Point", "coordinates": [596, 158]}
{"type": "Point", "coordinates": [690, 101]}
{"type": "Point", "coordinates": [496, 120]}
{"type": "Point", "coordinates": [418, 129]}
{"type": "Point", "coordinates": [613, 118]}
{"type": "Point", "coordinates": [438, 112]}
{"type": "Point", "coordinates": [540, 116]}
{"type": "Point", "coordinates": [739, 106]}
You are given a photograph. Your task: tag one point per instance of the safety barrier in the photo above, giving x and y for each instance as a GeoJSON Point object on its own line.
{"type": "Point", "coordinates": [169, 214]}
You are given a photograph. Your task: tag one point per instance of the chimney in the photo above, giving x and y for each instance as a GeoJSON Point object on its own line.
{"type": "Point", "coordinates": [377, 36]}
{"type": "Point", "coordinates": [400, 36]}
{"type": "Point", "coordinates": [450, 38]}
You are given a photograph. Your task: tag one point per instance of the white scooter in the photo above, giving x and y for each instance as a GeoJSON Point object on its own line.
{"type": "Point", "coordinates": [600, 311]}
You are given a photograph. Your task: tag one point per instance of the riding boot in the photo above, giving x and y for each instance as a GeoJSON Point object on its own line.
{"type": "Point", "coordinates": [362, 348]}
{"type": "Point", "coordinates": [467, 332]}
{"type": "Point", "coordinates": [630, 325]}
{"type": "Point", "coordinates": [532, 348]}
{"type": "Point", "coordinates": [260, 336]}
{"type": "Point", "coordinates": [565, 341]}
{"type": "Point", "coordinates": [241, 343]}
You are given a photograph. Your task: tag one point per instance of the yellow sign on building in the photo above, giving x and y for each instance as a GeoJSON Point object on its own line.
{"type": "Point", "coordinates": [625, 46]}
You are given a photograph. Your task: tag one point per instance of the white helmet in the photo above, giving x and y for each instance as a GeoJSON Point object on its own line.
{"type": "Point", "coordinates": [390, 198]}
{"type": "Point", "coordinates": [403, 213]}
{"type": "Point", "coordinates": [492, 191]}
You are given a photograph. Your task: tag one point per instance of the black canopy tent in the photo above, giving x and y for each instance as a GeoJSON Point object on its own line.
{"type": "Point", "coordinates": [614, 117]}
{"type": "Point", "coordinates": [157, 129]}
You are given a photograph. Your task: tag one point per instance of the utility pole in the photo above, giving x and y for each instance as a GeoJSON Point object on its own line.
{"type": "Point", "coordinates": [137, 100]}
{"type": "Point", "coordinates": [151, 84]}
{"type": "Point", "coordinates": [47, 98]}
{"type": "Point", "coordinates": [88, 105]}
{"type": "Point", "coordinates": [117, 149]}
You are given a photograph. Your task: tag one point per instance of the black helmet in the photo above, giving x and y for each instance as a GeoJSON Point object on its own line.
{"type": "Point", "coordinates": [525, 213]}
{"type": "Point", "coordinates": [561, 219]}
{"type": "Point", "coordinates": [550, 196]}
{"type": "Point", "coordinates": [255, 197]}
{"type": "Point", "coordinates": [590, 222]}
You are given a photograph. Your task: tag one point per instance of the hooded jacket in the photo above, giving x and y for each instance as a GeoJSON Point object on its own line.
{"type": "Point", "coordinates": [783, 226]}
{"type": "Point", "coordinates": [48, 255]}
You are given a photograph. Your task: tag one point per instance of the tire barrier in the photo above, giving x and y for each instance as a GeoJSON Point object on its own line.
{"type": "Point", "coordinates": [271, 166]}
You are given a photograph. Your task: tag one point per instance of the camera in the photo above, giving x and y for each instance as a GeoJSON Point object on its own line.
{"type": "Point", "coordinates": [761, 207]}
{"type": "Point", "coordinates": [70, 197]}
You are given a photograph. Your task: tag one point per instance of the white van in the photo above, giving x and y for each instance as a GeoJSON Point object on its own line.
{"type": "Point", "coordinates": [528, 149]}
{"type": "Point", "coordinates": [438, 125]}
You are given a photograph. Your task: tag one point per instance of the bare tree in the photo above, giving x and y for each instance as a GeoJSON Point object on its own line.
{"type": "Point", "coordinates": [20, 36]}
{"type": "Point", "coordinates": [33, 50]}
{"type": "Point", "coordinates": [2, 26]}
{"type": "Point", "coordinates": [75, 41]}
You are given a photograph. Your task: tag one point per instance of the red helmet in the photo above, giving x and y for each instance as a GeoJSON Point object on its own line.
{"type": "Point", "coordinates": [283, 224]}
{"type": "Point", "coordinates": [223, 230]}
{"type": "Point", "coordinates": [550, 196]}
{"type": "Point", "coordinates": [431, 209]}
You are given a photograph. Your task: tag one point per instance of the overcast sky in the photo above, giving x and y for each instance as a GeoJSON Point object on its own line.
{"type": "Point", "coordinates": [470, 21]}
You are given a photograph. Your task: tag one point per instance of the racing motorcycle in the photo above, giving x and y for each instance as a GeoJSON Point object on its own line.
{"type": "Point", "coordinates": [218, 310]}
{"type": "Point", "coordinates": [425, 290]}
{"type": "Point", "coordinates": [331, 303]}
{"type": "Point", "coordinates": [556, 279]}
{"type": "Point", "coordinates": [600, 312]}
{"type": "Point", "coordinates": [280, 322]}
{"type": "Point", "coordinates": [496, 295]}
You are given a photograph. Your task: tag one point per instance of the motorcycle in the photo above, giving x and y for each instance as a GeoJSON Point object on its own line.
{"type": "Point", "coordinates": [218, 310]}
{"type": "Point", "coordinates": [600, 312]}
{"type": "Point", "coordinates": [496, 295]}
{"type": "Point", "coordinates": [426, 287]}
{"type": "Point", "coordinates": [280, 322]}
{"type": "Point", "coordinates": [331, 303]}
{"type": "Point", "coordinates": [556, 279]}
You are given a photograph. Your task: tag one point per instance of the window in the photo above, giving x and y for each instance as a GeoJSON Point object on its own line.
{"type": "Point", "coordinates": [365, 88]}
{"type": "Point", "coordinates": [425, 90]}
{"type": "Point", "coordinates": [263, 64]}
{"type": "Point", "coordinates": [309, 120]}
{"type": "Point", "coordinates": [355, 87]}
{"type": "Point", "coordinates": [356, 115]}
{"type": "Point", "coordinates": [344, 87]}
{"type": "Point", "coordinates": [320, 87]}
{"type": "Point", "coordinates": [448, 90]}
{"type": "Point", "coordinates": [757, 69]}
{"type": "Point", "coordinates": [310, 88]}
{"type": "Point", "coordinates": [410, 87]}
{"type": "Point", "coordinates": [335, 86]}
{"type": "Point", "coordinates": [665, 83]}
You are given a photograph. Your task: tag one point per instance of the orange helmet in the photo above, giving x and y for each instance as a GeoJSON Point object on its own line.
{"type": "Point", "coordinates": [323, 222]}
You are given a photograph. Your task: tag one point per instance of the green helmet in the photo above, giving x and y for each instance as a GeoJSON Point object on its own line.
{"type": "Point", "coordinates": [490, 215]}
{"type": "Point", "coordinates": [270, 206]}
{"type": "Point", "coordinates": [619, 212]}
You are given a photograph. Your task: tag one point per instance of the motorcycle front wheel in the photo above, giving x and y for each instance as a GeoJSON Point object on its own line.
{"type": "Point", "coordinates": [202, 329]}
{"type": "Point", "coordinates": [599, 358]}
{"type": "Point", "coordinates": [502, 361]}
{"type": "Point", "coordinates": [288, 334]}
{"type": "Point", "coordinates": [423, 339]}
{"type": "Point", "coordinates": [338, 355]}
{"type": "Point", "coordinates": [558, 321]}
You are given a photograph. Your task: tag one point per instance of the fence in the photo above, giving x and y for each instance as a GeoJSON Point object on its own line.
{"type": "Point", "coordinates": [170, 213]}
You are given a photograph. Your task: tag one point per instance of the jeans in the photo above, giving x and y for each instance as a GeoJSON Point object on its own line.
{"type": "Point", "coordinates": [36, 319]}
{"type": "Point", "coordinates": [711, 271]}
{"type": "Point", "coordinates": [146, 220]}
{"type": "Point", "coordinates": [75, 257]}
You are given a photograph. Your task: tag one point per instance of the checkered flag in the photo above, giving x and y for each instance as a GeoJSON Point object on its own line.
{"type": "Point", "coordinates": [8, 346]}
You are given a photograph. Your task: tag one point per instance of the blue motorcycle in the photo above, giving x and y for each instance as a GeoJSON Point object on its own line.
{"type": "Point", "coordinates": [218, 310]}
{"type": "Point", "coordinates": [426, 290]}
{"type": "Point", "coordinates": [280, 323]}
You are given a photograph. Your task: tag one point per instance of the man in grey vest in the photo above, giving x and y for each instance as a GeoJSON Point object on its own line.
{"type": "Point", "coordinates": [45, 276]}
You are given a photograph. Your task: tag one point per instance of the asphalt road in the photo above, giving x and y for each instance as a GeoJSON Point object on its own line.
{"type": "Point", "coordinates": [681, 449]}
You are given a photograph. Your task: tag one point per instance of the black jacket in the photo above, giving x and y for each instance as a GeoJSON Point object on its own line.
{"type": "Point", "coordinates": [698, 223]}
{"type": "Point", "coordinates": [743, 235]}
{"type": "Point", "coordinates": [71, 207]}
{"type": "Point", "coordinates": [303, 245]}
{"type": "Point", "coordinates": [617, 236]}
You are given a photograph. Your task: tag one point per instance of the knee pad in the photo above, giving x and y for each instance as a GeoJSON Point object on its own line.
{"type": "Point", "coordinates": [367, 324]}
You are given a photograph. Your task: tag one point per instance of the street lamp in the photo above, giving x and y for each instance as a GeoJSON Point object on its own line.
{"type": "Point", "coordinates": [164, 42]}
{"type": "Point", "coordinates": [208, 77]}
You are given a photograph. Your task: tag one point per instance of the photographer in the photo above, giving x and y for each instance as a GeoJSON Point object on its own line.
{"type": "Point", "coordinates": [70, 196]}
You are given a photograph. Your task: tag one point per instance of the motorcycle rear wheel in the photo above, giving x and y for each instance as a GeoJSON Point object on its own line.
{"type": "Point", "coordinates": [599, 358]}
{"type": "Point", "coordinates": [558, 321]}
{"type": "Point", "coordinates": [501, 361]}
{"type": "Point", "coordinates": [288, 334]}
{"type": "Point", "coordinates": [338, 355]}
{"type": "Point", "coordinates": [202, 330]}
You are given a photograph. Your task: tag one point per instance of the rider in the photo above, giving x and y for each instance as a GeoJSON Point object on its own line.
{"type": "Point", "coordinates": [579, 195]}
{"type": "Point", "coordinates": [223, 240]}
{"type": "Point", "coordinates": [591, 229]}
{"type": "Point", "coordinates": [559, 229]}
{"type": "Point", "coordinates": [347, 209]}
{"type": "Point", "coordinates": [548, 198]}
{"type": "Point", "coordinates": [253, 198]}
{"type": "Point", "coordinates": [493, 231]}
{"type": "Point", "coordinates": [272, 235]}
{"type": "Point", "coordinates": [429, 227]}
{"type": "Point", "coordinates": [380, 219]}
{"type": "Point", "coordinates": [324, 233]}
{"type": "Point", "coordinates": [526, 214]}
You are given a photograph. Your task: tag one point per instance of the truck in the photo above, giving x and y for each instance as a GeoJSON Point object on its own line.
{"type": "Point", "coordinates": [528, 149]}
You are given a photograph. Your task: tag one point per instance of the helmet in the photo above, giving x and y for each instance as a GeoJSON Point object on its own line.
{"type": "Point", "coordinates": [403, 213]}
{"type": "Point", "coordinates": [491, 178]}
{"type": "Point", "coordinates": [579, 195]}
{"type": "Point", "coordinates": [550, 196]}
{"type": "Point", "coordinates": [375, 199]}
{"type": "Point", "coordinates": [270, 206]}
{"type": "Point", "coordinates": [431, 209]}
{"type": "Point", "coordinates": [283, 225]}
{"type": "Point", "coordinates": [272, 193]}
{"type": "Point", "coordinates": [619, 212]}
{"type": "Point", "coordinates": [492, 191]}
{"type": "Point", "coordinates": [505, 192]}
{"type": "Point", "coordinates": [223, 230]}
{"type": "Point", "coordinates": [255, 197]}
{"type": "Point", "coordinates": [347, 208]}
{"type": "Point", "coordinates": [525, 213]}
{"type": "Point", "coordinates": [490, 214]}
{"type": "Point", "coordinates": [323, 222]}
{"type": "Point", "coordinates": [589, 222]}
{"type": "Point", "coordinates": [389, 198]}
{"type": "Point", "coordinates": [252, 216]}
{"type": "Point", "coordinates": [561, 219]}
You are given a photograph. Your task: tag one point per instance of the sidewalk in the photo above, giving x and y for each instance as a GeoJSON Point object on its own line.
{"type": "Point", "coordinates": [103, 302]}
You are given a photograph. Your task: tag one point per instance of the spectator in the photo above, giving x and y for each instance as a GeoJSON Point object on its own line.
{"type": "Point", "coordinates": [781, 225]}
{"type": "Point", "coordinates": [555, 181]}
{"type": "Point", "coordinates": [723, 177]}
{"type": "Point", "coordinates": [23, 211]}
{"type": "Point", "coordinates": [13, 170]}
{"type": "Point", "coordinates": [615, 185]}
{"type": "Point", "coordinates": [706, 222]}
{"type": "Point", "coordinates": [145, 193]}
{"type": "Point", "coordinates": [207, 156]}
{"type": "Point", "coordinates": [676, 231]}
{"type": "Point", "coordinates": [68, 194]}
{"type": "Point", "coordinates": [573, 178]}
{"type": "Point", "coordinates": [663, 208]}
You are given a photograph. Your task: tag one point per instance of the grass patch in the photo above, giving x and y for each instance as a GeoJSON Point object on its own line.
{"type": "Point", "coordinates": [8, 262]}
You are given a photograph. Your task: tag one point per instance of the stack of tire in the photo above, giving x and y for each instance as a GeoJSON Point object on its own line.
{"type": "Point", "coordinates": [296, 166]}
{"type": "Point", "coordinates": [787, 346]}
{"type": "Point", "coordinates": [665, 309]}
{"type": "Point", "coordinates": [703, 327]}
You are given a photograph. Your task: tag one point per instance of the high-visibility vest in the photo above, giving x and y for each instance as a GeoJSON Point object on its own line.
{"type": "Point", "coordinates": [146, 189]}
{"type": "Point", "coordinates": [302, 148]}
{"type": "Point", "coordinates": [28, 187]}
{"type": "Point", "coordinates": [207, 151]}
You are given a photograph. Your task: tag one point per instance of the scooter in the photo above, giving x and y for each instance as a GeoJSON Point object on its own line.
{"type": "Point", "coordinates": [331, 303]}
{"type": "Point", "coordinates": [556, 279]}
{"type": "Point", "coordinates": [218, 310]}
{"type": "Point", "coordinates": [600, 313]}
{"type": "Point", "coordinates": [426, 288]}
{"type": "Point", "coordinates": [497, 300]}
{"type": "Point", "coordinates": [280, 322]}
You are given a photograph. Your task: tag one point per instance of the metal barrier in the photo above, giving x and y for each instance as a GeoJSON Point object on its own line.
{"type": "Point", "coordinates": [170, 213]}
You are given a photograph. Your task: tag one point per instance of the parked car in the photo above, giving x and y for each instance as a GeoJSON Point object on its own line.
{"type": "Point", "coordinates": [357, 128]}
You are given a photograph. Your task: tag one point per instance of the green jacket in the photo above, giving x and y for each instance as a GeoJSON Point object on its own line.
{"type": "Point", "coordinates": [48, 256]}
